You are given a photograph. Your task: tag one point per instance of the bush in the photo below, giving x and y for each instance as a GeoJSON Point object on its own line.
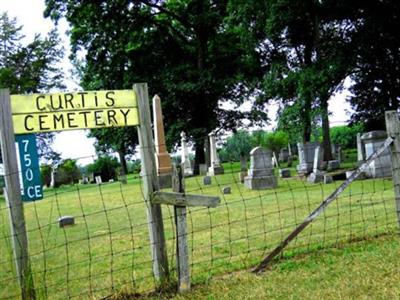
{"type": "Point", "coordinates": [45, 172]}
{"type": "Point", "coordinates": [346, 136]}
{"type": "Point", "coordinates": [68, 172]}
{"type": "Point", "coordinates": [106, 167]}
{"type": "Point", "coordinates": [275, 141]}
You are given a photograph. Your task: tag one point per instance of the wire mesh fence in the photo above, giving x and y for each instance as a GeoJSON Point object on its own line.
{"type": "Point", "coordinates": [107, 251]}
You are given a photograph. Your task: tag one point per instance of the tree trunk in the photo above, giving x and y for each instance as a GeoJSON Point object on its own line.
{"type": "Point", "coordinates": [207, 152]}
{"type": "Point", "coordinates": [307, 119]}
{"type": "Point", "coordinates": [326, 136]}
{"type": "Point", "coordinates": [307, 97]}
{"type": "Point", "coordinates": [199, 157]}
{"type": "Point", "coordinates": [124, 168]}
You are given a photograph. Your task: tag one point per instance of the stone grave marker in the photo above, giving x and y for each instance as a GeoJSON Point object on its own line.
{"type": "Point", "coordinates": [261, 174]}
{"type": "Point", "coordinates": [284, 173]}
{"type": "Point", "coordinates": [226, 190]}
{"type": "Point", "coordinates": [207, 180]}
{"type": "Point", "coordinates": [333, 165]}
{"type": "Point", "coordinates": [306, 157]}
{"type": "Point", "coordinates": [316, 176]}
{"type": "Point", "coordinates": [163, 159]}
{"type": "Point", "coordinates": [215, 166]}
{"type": "Point", "coordinates": [98, 179]}
{"type": "Point", "coordinates": [66, 221]}
{"type": "Point", "coordinates": [382, 166]}
{"type": "Point", "coordinates": [187, 167]}
{"type": "Point", "coordinates": [203, 169]}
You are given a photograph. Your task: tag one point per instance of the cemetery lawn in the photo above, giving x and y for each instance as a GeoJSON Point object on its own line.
{"type": "Point", "coordinates": [109, 247]}
{"type": "Point", "coordinates": [363, 270]}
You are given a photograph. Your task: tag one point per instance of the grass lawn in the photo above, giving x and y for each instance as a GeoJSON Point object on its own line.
{"type": "Point", "coordinates": [107, 251]}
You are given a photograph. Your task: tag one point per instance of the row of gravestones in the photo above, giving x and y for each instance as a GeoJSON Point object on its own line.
{"type": "Point", "coordinates": [261, 173]}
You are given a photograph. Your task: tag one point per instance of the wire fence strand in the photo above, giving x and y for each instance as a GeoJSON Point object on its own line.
{"type": "Point", "coordinates": [107, 251]}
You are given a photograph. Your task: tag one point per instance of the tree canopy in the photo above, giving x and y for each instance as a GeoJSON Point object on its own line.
{"type": "Point", "coordinates": [183, 49]}
{"type": "Point", "coordinates": [30, 68]}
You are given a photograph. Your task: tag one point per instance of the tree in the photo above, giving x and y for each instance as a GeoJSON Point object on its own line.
{"type": "Point", "coordinates": [106, 166]}
{"type": "Point", "coordinates": [238, 146]}
{"type": "Point", "coordinates": [306, 47]}
{"type": "Point", "coordinates": [275, 141]}
{"type": "Point", "coordinates": [30, 68]}
{"type": "Point", "coordinates": [183, 49]}
{"type": "Point", "coordinates": [118, 139]}
{"type": "Point", "coordinates": [376, 80]}
{"type": "Point", "coordinates": [346, 136]}
{"type": "Point", "coordinates": [68, 172]}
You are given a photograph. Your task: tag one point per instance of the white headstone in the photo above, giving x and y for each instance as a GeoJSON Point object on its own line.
{"type": "Point", "coordinates": [215, 166]}
{"type": "Point", "coordinates": [98, 179]}
{"type": "Point", "coordinates": [360, 148]}
{"type": "Point", "coordinates": [316, 159]}
{"type": "Point", "coordinates": [187, 168]}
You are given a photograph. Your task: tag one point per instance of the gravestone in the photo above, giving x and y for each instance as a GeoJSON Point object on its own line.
{"type": "Point", "coordinates": [333, 165]}
{"type": "Point", "coordinates": [163, 160]}
{"type": "Point", "coordinates": [316, 176]}
{"type": "Point", "coordinates": [382, 166]}
{"type": "Point", "coordinates": [207, 180]}
{"type": "Point", "coordinates": [242, 175]}
{"type": "Point", "coordinates": [283, 155]}
{"type": "Point", "coordinates": [339, 155]}
{"type": "Point", "coordinates": [274, 160]}
{"type": "Point", "coordinates": [261, 174]}
{"type": "Point", "coordinates": [328, 178]}
{"type": "Point", "coordinates": [203, 169]}
{"type": "Point", "coordinates": [226, 190]}
{"type": "Point", "coordinates": [306, 157]}
{"type": "Point", "coordinates": [360, 149]}
{"type": "Point", "coordinates": [98, 180]}
{"type": "Point", "coordinates": [187, 167]}
{"type": "Point", "coordinates": [215, 166]}
{"type": "Point", "coordinates": [359, 177]}
{"type": "Point", "coordinates": [66, 221]}
{"type": "Point", "coordinates": [284, 173]}
{"type": "Point", "coordinates": [289, 149]}
{"type": "Point", "coordinates": [53, 177]}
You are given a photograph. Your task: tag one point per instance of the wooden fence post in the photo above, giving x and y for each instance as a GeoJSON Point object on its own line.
{"type": "Point", "coordinates": [150, 184]}
{"type": "Point", "coordinates": [393, 130]}
{"type": "Point", "coordinates": [182, 253]}
{"type": "Point", "coordinates": [12, 193]}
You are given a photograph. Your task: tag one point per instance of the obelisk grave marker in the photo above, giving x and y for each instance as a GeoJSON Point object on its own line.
{"type": "Point", "coordinates": [163, 160]}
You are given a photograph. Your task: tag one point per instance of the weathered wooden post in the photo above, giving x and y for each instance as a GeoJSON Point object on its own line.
{"type": "Point", "coordinates": [393, 131]}
{"type": "Point", "coordinates": [182, 254]}
{"type": "Point", "coordinates": [180, 200]}
{"type": "Point", "coordinates": [150, 184]}
{"type": "Point", "coordinates": [12, 193]}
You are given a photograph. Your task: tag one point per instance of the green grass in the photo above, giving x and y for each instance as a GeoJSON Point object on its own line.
{"type": "Point", "coordinates": [107, 251]}
{"type": "Point", "coordinates": [364, 270]}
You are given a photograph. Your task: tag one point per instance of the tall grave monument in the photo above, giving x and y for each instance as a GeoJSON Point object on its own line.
{"type": "Point", "coordinates": [163, 160]}
{"type": "Point", "coordinates": [215, 166]}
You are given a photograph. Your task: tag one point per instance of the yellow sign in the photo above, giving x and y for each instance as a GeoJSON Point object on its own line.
{"type": "Point", "coordinates": [79, 110]}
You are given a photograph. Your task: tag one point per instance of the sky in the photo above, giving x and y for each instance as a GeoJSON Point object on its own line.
{"type": "Point", "coordinates": [75, 144]}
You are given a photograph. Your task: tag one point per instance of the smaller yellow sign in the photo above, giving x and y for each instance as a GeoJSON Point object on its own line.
{"type": "Point", "coordinates": [68, 111]}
